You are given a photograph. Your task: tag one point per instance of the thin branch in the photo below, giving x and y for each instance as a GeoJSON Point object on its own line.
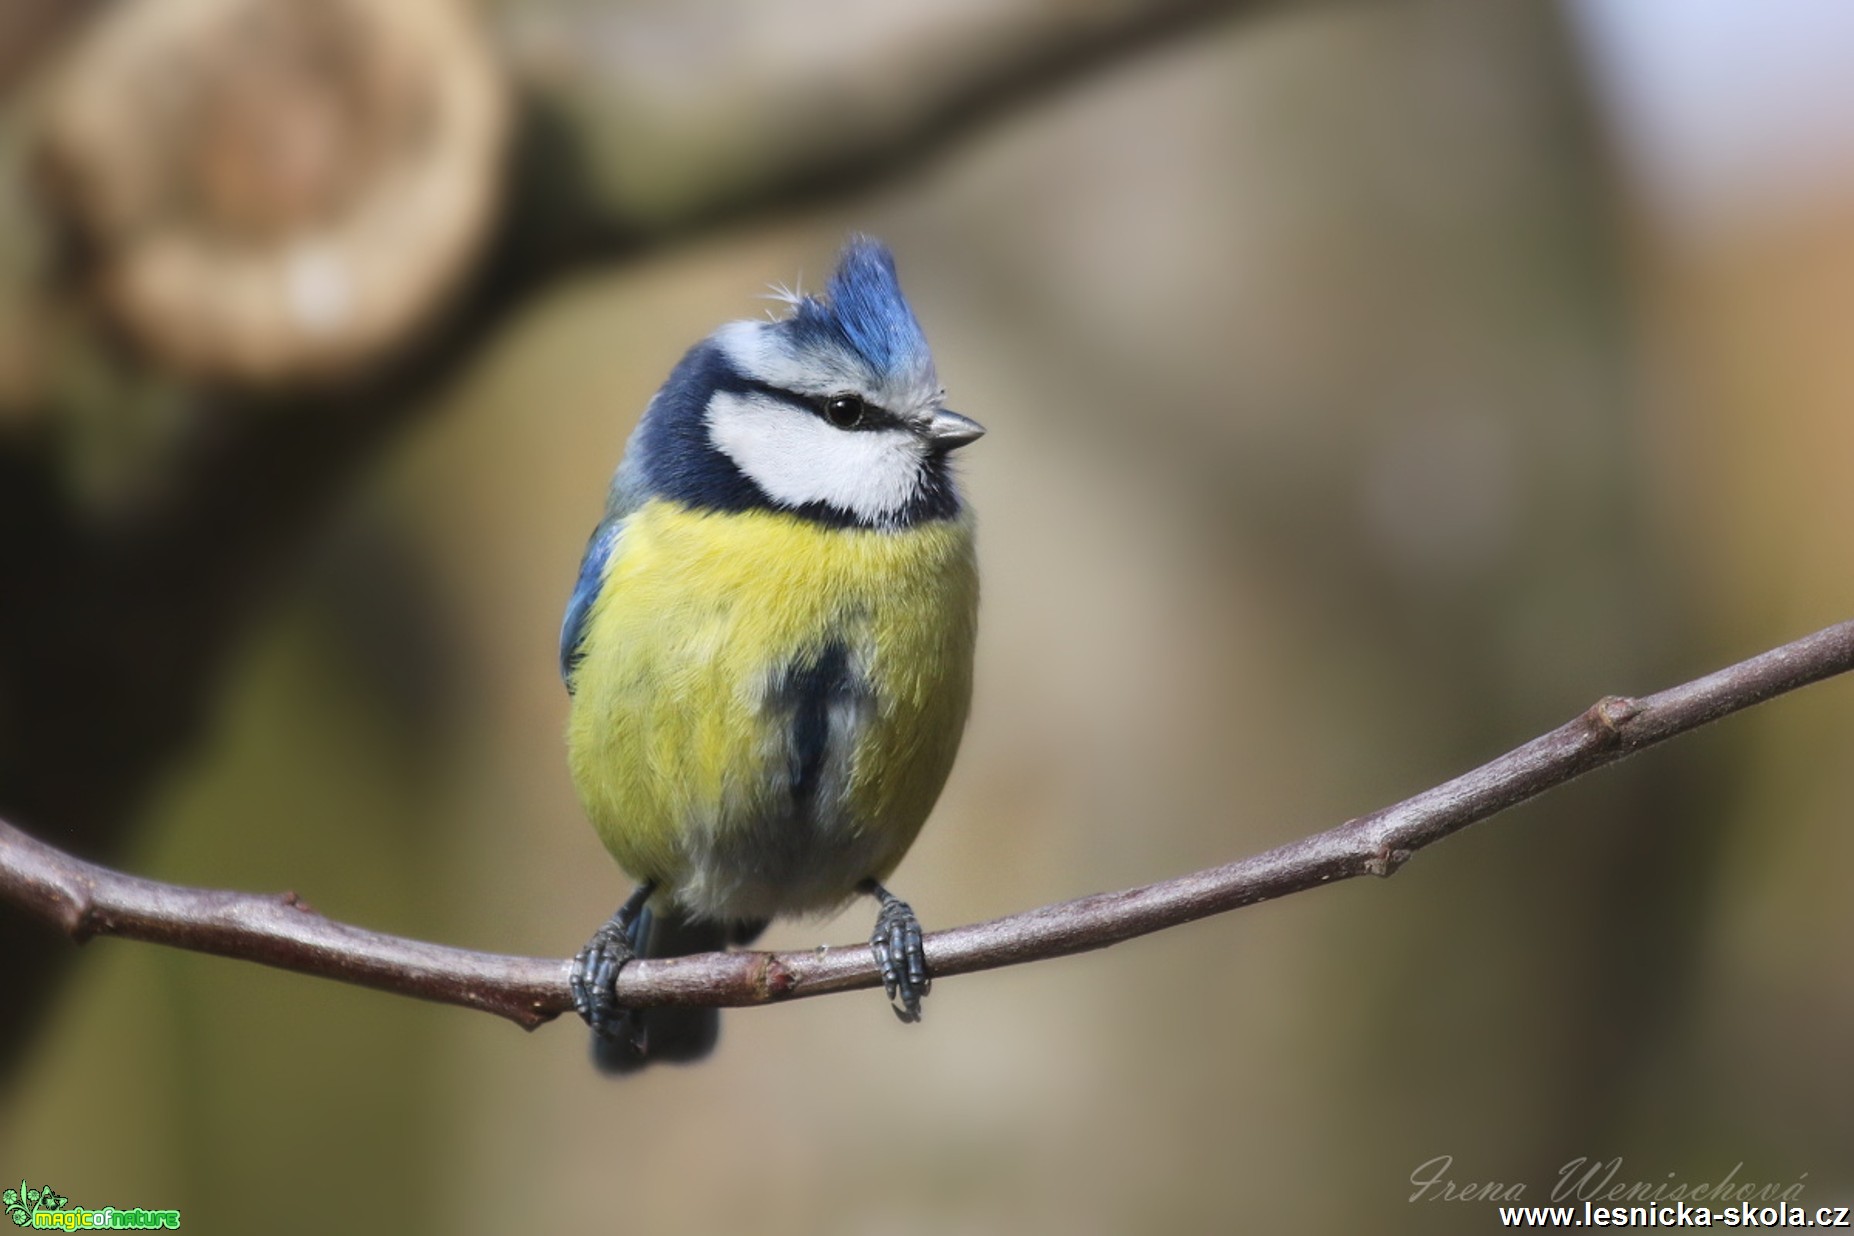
{"type": "Point", "coordinates": [85, 899]}
{"type": "Point", "coordinates": [826, 118]}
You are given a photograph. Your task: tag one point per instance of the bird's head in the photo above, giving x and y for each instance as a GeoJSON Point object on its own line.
{"type": "Point", "coordinates": [832, 412]}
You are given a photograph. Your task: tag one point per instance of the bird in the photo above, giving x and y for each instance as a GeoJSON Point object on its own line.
{"type": "Point", "coordinates": [769, 647]}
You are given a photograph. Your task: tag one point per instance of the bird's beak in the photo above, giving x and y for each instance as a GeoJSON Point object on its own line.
{"type": "Point", "coordinates": [949, 430]}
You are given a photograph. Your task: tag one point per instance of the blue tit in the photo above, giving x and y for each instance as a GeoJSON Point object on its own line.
{"type": "Point", "coordinates": [769, 649]}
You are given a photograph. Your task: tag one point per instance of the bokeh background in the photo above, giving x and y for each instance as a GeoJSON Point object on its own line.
{"type": "Point", "coordinates": [1371, 387]}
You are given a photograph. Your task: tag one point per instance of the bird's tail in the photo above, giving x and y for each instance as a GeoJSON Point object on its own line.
{"type": "Point", "coordinates": [672, 1034]}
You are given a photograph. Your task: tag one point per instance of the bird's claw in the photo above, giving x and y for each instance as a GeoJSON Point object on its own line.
{"type": "Point", "coordinates": [900, 956]}
{"type": "Point", "coordinates": [593, 980]}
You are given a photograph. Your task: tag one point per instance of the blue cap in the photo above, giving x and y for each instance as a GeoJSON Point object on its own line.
{"type": "Point", "coordinates": [864, 308]}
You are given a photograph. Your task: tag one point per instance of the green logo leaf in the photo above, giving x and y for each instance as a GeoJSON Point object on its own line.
{"type": "Point", "coordinates": [24, 1202]}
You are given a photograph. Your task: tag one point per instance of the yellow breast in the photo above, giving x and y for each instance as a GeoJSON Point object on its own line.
{"type": "Point", "coordinates": [679, 745]}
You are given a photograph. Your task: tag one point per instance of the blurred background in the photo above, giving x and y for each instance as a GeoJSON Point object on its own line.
{"type": "Point", "coordinates": [1371, 387]}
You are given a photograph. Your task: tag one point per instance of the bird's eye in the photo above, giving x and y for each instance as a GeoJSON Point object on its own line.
{"type": "Point", "coordinates": [845, 411]}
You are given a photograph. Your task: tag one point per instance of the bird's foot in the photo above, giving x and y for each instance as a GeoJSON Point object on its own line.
{"type": "Point", "coordinates": [899, 954]}
{"type": "Point", "coordinates": [593, 980]}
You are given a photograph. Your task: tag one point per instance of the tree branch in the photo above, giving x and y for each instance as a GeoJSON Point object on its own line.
{"type": "Point", "coordinates": [821, 119]}
{"type": "Point", "coordinates": [85, 899]}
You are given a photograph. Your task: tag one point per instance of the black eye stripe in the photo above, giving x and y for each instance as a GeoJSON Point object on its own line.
{"type": "Point", "coordinates": [871, 416]}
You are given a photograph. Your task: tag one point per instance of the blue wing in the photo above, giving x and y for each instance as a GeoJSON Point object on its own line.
{"type": "Point", "coordinates": [586, 590]}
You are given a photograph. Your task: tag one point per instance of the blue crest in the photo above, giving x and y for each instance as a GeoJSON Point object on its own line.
{"type": "Point", "coordinates": [864, 308]}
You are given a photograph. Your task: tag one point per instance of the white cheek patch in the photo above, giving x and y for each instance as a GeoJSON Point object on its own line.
{"type": "Point", "coordinates": [797, 458]}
